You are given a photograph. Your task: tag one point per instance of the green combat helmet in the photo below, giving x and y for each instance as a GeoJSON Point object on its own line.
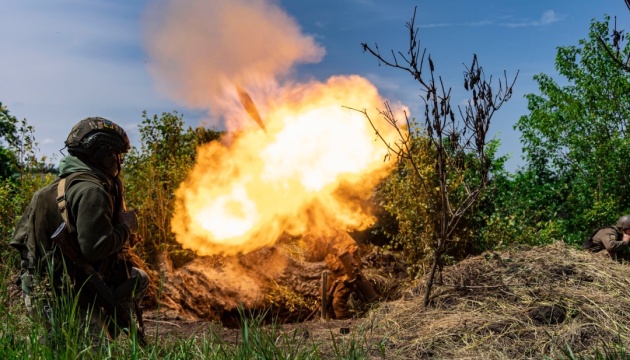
{"type": "Point", "coordinates": [100, 142]}
{"type": "Point", "coordinates": [624, 222]}
{"type": "Point", "coordinates": [92, 130]}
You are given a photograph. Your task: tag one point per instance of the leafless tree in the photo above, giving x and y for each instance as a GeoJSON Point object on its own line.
{"type": "Point", "coordinates": [450, 137]}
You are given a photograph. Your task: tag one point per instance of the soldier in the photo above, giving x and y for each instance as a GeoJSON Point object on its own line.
{"type": "Point", "coordinates": [340, 288]}
{"type": "Point", "coordinates": [612, 239]}
{"type": "Point", "coordinates": [349, 291]}
{"type": "Point", "coordinates": [88, 196]}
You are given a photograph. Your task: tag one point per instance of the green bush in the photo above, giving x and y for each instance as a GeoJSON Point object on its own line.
{"type": "Point", "coordinates": [19, 178]}
{"type": "Point", "coordinates": [576, 143]}
{"type": "Point", "coordinates": [153, 173]}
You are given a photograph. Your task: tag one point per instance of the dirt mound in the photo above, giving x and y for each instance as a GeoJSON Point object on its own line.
{"type": "Point", "coordinates": [213, 288]}
{"type": "Point", "coordinates": [514, 304]}
{"type": "Point", "coordinates": [283, 280]}
{"type": "Point", "coordinates": [523, 303]}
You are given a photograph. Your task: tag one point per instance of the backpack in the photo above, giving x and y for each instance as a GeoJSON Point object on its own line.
{"type": "Point", "coordinates": [43, 215]}
{"type": "Point", "coordinates": [589, 245]}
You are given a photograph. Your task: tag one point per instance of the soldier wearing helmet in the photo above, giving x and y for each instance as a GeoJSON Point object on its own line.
{"type": "Point", "coordinates": [615, 240]}
{"type": "Point", "coordinates": [100, 143]}
{"type": "Point", "coordinates": [95, 213]}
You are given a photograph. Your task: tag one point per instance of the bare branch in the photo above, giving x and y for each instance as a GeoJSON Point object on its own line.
{"type": "Point", "coordinates": [461, 164]}
{"type": "Point", "coordinates": [615, 57]}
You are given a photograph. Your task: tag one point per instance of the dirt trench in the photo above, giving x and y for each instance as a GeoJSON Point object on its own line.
{"type": "Point", "coordinates": [282, 282]}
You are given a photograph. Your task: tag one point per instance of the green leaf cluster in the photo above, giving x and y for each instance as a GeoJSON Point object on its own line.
{"type": "Point", "coordinates": [153, 173]}
{"type": "Point", "coordinates": [21, 174]}
{"type": "Point", "coordinates": [576, 145]}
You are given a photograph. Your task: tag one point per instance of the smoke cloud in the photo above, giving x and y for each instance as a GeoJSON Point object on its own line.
{"type": "Point", "coordinates": [199, 49]}
{"type": "Point", "coordinates": [285, 140]}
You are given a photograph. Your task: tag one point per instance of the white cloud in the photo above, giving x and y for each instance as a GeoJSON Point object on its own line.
{"type": "Point", "coordinates": [467, 24]}
{"type": "Point", "coordinates": [67, 59]}
{"type": "Point", "coordinates": [434, 25]}
{"type": "Point", "coordinates": [548, 17]}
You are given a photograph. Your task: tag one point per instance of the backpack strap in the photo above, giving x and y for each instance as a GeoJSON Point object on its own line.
{"type": "Point", "coordinates": [62, 188]}
{"type": "Point", "coordinates": [62, 202]}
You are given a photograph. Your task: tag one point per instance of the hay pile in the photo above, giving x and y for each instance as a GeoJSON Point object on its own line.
{"type": "Point", "coordinates": [516, 304]}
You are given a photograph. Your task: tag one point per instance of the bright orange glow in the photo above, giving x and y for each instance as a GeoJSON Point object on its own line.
{"type": "Point", "coordinates": [295, 159]}
{"type": "Point", "coordinates": [306, 172]}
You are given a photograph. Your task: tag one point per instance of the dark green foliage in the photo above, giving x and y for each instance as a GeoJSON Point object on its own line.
{"type": "Point", "coordinates": [576, 145]}
{"type": "Point", "coordinates": [8, 142]}
{"type": "Point", "coordinates": [21, 174]}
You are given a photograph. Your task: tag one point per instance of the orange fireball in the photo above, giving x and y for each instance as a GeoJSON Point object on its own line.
{"type": "Point", "coordinates": [243, 194]}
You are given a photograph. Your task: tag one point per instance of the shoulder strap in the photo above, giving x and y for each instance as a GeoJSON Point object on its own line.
{"type": "Point", "coordinates": [62, 202]}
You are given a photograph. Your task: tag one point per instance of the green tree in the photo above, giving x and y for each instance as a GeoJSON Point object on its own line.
{"type": "Point", "coordinates": [8, 141]}
{"type": "Point", "coordinates": [517, 209]}
{"type": "Point", "coordinates": [576, 139]}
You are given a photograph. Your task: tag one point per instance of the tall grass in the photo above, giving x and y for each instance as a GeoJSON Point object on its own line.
{"type": "Point", "coordinates": [70, 338]}
{"type": "Point", "coordinates": [608, 351]}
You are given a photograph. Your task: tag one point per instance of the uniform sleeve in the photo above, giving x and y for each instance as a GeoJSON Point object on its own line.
{"type": "Point", "coordinates": [93, 212]}
{"type": "Point", "coordinates": [609, 239]}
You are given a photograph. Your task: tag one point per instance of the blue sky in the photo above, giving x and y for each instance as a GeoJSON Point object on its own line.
{"type": "Point", "coordinates": [63, 60]}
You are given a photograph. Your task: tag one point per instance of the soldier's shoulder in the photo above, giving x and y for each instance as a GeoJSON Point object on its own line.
{"type": "Point", "coordinates": [607, 232]}
{"type": "Point", "coordinates": [85, 181]}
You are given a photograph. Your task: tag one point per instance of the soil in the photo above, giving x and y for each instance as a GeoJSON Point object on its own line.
{"type": "Point", "coordinates": [286, 278]}
{"type": "Point", "coordinates": [171, 326]}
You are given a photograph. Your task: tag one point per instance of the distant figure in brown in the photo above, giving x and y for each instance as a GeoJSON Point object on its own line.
{"type": "Point", "coordinates": [340, 288]}
{"type": "Point", "coordinates": [615, 240]}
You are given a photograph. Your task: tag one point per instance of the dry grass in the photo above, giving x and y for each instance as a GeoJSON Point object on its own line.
{"type": "Point", "coordinates": [516, 304]}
